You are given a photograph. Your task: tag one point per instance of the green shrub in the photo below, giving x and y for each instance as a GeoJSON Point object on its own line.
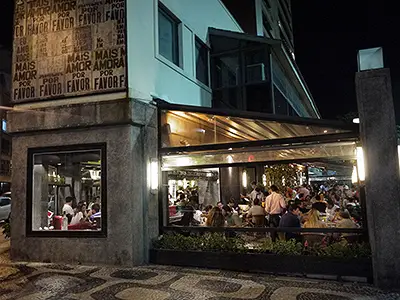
{"type": "Point", "coordinates": [265, 247]}
{"type": "Point", "coordinates": [347, 251]}
{"type": "Point", "coordinates": [7, 229]}
{"type": "Point", "coordinates": [290, 247]}
{"type": "Point", "coordinates": [177, 242]}
{"type": "Point", "coordinates": [208, 242]}
{"type": "Point", "coordinates": [218, 242]}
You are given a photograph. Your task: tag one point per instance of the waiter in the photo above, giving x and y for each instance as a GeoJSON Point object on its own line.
{"type": "Point", "coordinates": [274, 207]}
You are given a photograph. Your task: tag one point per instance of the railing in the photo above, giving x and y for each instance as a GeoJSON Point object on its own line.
{"type": "Point", "coordinates": [360, 231]}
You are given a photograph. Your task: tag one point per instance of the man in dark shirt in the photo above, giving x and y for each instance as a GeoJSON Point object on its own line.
{"type": "Point", "coordinates": [302, 207]}
{"type": "Point", "coordinates": [291, 219]}
{"type": "Point", "coordinates": [319, 205]}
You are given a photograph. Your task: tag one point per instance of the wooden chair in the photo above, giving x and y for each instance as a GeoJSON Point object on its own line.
{"type": "Point", "coordinates": [259, 221]}
{"type": "Point", "coordinates": [313, 239]}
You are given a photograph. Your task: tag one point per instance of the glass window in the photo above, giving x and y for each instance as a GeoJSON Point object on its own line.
{"type": "Point", "coordinates": [281, 104]}
{"type": "Point", "coordinates": [168, 37]}
{"type": "Point", "coordinates": [258, 98]}
{"type": "Point", "coordinates": [5, 201]}
{"type": "Point", "coordinates": [67, 189]}
{"type": "Point", "coordinates": [226, 71]}
{"type": "Point", "coordinates": [292, 112]}
{"type": "Point", "coordinates": [5, 147]}
{"type": "Point", "coordinates": [183, 129]}
{"type": "Point", "coordinates": [5, 167]}
{"type": "Point", "coordinates": [202, 55]}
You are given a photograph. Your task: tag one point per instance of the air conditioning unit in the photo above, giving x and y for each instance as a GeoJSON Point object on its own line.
{"type": "Point", "coordinates": [255, 73]}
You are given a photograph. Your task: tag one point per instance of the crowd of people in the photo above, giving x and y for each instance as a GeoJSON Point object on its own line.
{"type": "Point", "coordinates": [304, 206]}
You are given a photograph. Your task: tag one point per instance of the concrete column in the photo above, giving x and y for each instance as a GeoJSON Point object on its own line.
{"type": "Point", "coordinates": [379, 141]}
{"type": "Point", "coordinates": [40, 197]}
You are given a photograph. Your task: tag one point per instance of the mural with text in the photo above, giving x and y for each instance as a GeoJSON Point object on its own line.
{"type": "Point", "coordinates": [66, 48]}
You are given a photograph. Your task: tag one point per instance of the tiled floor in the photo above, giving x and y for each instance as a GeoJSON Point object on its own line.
{"type": "Point", "coordinates": [49, 281]}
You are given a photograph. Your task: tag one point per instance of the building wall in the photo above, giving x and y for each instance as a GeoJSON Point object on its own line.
{"type": "Point", "coordinates": [132, 210]}
{"type": "Point", "coordinates": [150, 74]}
{"type": "Point", "coordinates": [276, 21]}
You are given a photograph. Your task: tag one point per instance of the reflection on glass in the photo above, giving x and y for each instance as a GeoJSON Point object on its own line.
{"type": "Point", "coordinates": [180, 129]}
{"type": "Point", "coordinates": [342, 150]}
{"type": "Point", "coordinates": [189, 193]}
{"type": "Point", "coordinates": [66, 191]}
{"type": "Point", "coordinates": [227, 68]}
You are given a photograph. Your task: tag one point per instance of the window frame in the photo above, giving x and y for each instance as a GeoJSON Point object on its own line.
{"type": "Point", "coordinates": [204, 46]}
{"type": "Point", "coordinates": [176, 59]}
{"type": "Point", "coordinates": [102, 147]}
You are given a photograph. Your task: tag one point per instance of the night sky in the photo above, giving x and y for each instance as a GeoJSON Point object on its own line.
{"type": "Point", "coordinates": [327, 34]}
{"type": "Point", "coordinates": [6, 19]}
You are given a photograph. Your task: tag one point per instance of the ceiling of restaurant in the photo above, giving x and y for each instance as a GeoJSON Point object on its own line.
{"type": "Point", "coordinates": [184, 129]}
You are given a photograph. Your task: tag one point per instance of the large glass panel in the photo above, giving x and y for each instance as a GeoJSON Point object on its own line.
{"type": "Point", "coordinates": [191, 128]}
{"type": "Point", "coordinates": [339, 150]}
{"type": "Point", "coordinates": [195, 188]}
{"type": "Point", "coordinates": [258, 98]}
{"type": "Point", "coordinates": [281, 104]}
{"type": "Point", "coordinates": [227, 71]}
{"type": "Point", "coordinates": [238, 195]}
{"type": "Point", "coordinates": [66, 190]}
{"type": "Point", "coordinates": [228, 98]}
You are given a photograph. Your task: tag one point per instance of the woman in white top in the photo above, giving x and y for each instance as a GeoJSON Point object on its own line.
{"type": "Point", "coordinates": [80, 213]}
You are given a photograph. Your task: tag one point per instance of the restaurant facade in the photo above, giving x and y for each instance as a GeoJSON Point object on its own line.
{"type": "Point", "coordinates": [119, 122]}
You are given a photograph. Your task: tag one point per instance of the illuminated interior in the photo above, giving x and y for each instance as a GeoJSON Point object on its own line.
{"type": "Point", "coordinates": [180, 129]}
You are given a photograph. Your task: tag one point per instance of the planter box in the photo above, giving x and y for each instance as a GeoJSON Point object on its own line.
{"type": "Point", "coordinates": [264, 263]}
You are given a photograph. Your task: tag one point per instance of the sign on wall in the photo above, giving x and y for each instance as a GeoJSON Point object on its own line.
{"type": "Point", "coordinates": [66, 48]}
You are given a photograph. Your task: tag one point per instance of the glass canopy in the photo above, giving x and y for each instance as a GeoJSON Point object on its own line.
{"type": "Point", "coordinates": [321, 151]}
{"type": "Point", "coordinates": [190, 128]}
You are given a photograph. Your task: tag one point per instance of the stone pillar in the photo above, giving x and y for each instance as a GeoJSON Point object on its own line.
{"type": "Point", "coordinates": [40, 196]}
{"type": "Point", "coordinates": [128, 128]}
{"type": "Point", "coordinates": [379, 141]}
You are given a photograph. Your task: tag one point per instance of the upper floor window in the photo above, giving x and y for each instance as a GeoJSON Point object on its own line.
{"type": "Point", "coordinates": [168, 35]}
{"type": "Point", "coordinates": [5, 146]}
{"type": "Point", "coordinates": [202, 58]}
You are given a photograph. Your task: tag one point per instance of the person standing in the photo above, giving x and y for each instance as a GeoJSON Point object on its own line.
{"type": "Point", "coordinates": [274, 206]}
{"type": "Point", "coordinates": [252, 195]}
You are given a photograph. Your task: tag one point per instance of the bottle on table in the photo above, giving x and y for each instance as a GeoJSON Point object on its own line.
{"type": "Point", "coordinates": [64, 225]}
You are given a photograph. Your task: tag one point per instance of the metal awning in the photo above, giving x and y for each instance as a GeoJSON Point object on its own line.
{"type": "Point", "coordinates": [193, 137]}
{"type": "Point", "coordinates": [188, 129]}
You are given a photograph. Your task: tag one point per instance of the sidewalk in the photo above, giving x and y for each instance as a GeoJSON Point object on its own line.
{"type": "Point", "coordinates": [50, 281]}
{"type": "Point", "coordinates": [6, 268]}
